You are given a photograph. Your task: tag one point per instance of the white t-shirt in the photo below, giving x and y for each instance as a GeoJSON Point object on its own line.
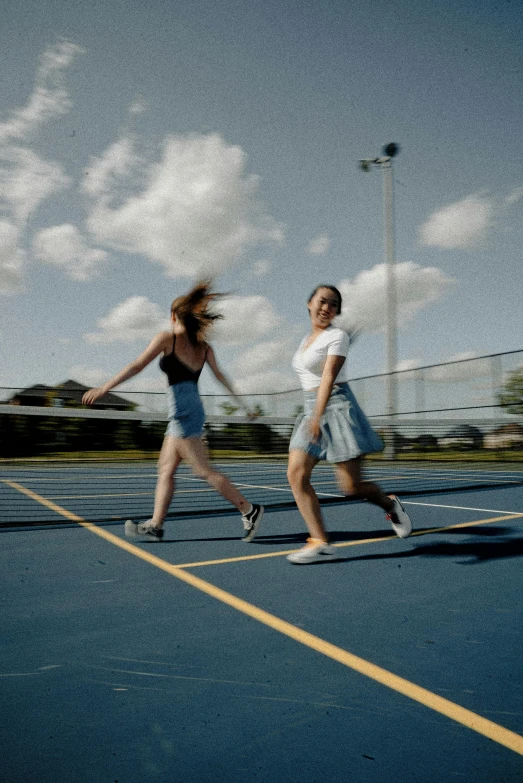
{"type": "Point", "coordinates": [309, 363]}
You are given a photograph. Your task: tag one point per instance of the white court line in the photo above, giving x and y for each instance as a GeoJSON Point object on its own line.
{"type": "Point", "coordinates": [443, 472]}
{"type": "Point", "coordinates": [88, 479]}
{"type": "Point", "coordinates": [271, 488]}
{"type": "Point", "coordinates": [282, 489]}
{"type": "Point", "coordinates": [128, 494]}
{"type": "Point", "coordinates": [460, 508]}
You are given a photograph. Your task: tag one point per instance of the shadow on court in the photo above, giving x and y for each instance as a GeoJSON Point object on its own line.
{"type": "Point", "coordinates": [284, 539]}
{"type": "Point", "coordinates": [471, 551]}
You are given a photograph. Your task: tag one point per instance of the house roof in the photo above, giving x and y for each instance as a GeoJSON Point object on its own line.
{"type": "Point", "coordinates": [76, 390]}
{"type": "Point", "coordinates": [33, 391]}
{"type": "Point", "coordinates": [73, 390]}
{"type": "Point", "coordinates": [509, 428]}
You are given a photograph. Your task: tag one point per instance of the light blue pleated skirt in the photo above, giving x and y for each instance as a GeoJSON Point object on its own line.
{"type": "Point", "coordinates": [345, 430]}
{"type": "Point", "coordinates": [186, 414]}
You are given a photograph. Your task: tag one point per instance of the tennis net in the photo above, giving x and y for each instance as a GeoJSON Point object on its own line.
{"type": "Point", "coordinates": [100, 464]}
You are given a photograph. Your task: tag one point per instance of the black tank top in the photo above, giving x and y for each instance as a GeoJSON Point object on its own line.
{"type": "Point", "coordinates": [177, 371]}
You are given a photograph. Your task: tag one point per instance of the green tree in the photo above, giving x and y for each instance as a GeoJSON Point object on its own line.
{"type": "Point", "coordinates": [228, 408]}
{"type": "Point", "coordinates": [511, 397]}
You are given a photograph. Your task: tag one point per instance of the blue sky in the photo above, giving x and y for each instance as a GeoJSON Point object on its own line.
{"type": "Point", "coordinates": [144, 145]}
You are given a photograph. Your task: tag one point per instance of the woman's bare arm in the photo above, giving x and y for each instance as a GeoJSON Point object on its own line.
{"type": "Point", "coordinates": [158, 344]}
{"type": "Point", "coordinates": [221, 378]}
{"type": "Point", "coordinates": [332, 366]}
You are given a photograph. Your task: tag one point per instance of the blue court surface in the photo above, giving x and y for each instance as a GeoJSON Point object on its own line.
{"type": "Point", "coordinates": [204, 659]}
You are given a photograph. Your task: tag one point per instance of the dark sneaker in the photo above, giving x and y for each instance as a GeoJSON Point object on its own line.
{"type": "Point", "coordinates": [399, 519]}
{"type": "Point", "coordinates": [251, 522]}
{"type": "Point", "coordinates": [145, 531]}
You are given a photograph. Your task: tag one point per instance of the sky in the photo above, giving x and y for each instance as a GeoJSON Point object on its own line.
{"type": "Point", "coordinates": [146, 145]}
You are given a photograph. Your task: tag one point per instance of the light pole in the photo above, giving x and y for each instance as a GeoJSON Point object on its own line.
{"type": "Point", "coordinates": [385, 163]}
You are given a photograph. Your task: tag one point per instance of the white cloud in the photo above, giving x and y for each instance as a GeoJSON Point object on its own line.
{"type": "Point", "coordinates": [407, 368]}
{"type": "Point", "coordinates": [266, 382]}
{"type": "Point", "coordinates": [196, 214]}
{"type": "Point", "coordinates": [467, 368]}
{"type": "Point", "coordinates": [138, 106]}
{"type": "Point", "coordinates": [365, 298]}
{"type": "Point", "coordinates": [26, 180]}
{"type": "Point", "coordinates": [11, 259]}
{"type": "Point", "coordinates": [64, 246]}
{"type": "Point", "coordinates": [137, 318]}
{"type": "Point", "coordinates": [460, 225]}
{"type": "Point", "coordinates": [264, 357]}
{"type": "Point", "coordinates": [262, 267]}
{"type": "Point", "coordinates": [49, 97]}
{"type": "Point", "coordinates": [319, 245]}
{"type": "Point", "coordinates": [116, 165]}
{"type": "Point", "coordinates": [514, 196]}
{"type": "Point", "coordinates": [246, 318]}
{"type": "Point", "coordinates": [89, 376]}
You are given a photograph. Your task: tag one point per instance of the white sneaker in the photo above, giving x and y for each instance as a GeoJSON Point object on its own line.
{"type": "Point", "coordinates": [314, 552]}
{"type": "Point", "coordinates": [399, 519]}
{"type": "Point", "coordinates": [144, 531]}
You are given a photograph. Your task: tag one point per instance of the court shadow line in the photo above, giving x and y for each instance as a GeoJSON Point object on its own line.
{"type": "Point", "coordinates": [336, 536]}
{"type": "Point", "coordinates": [472, 552]}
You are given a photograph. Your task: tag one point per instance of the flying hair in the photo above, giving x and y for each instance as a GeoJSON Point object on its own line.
{"type": "Point", "coordinates": [194, 312]}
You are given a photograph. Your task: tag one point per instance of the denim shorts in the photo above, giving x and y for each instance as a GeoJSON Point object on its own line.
{"type": "Point", "coordinates": [186, 414]}
{"type": "Point", "coordinates": [345, 430]}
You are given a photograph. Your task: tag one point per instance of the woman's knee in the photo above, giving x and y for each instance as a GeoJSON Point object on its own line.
{"type": "Point", "coordinates": [208, 474]}
{"type": "Point", "coordinates": [166, 467]}
{"type": "Point", "coordinates": [297, 475]}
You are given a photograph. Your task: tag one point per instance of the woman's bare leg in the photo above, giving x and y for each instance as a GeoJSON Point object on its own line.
{"type": "Point", "coordinates": [193, 450]}
{"type": "Point", "coordinates": [348, 475]}
{"type": "Point", "coordinates": [299, 475]}
{"type": "Point", "coordinates": [168, 462]}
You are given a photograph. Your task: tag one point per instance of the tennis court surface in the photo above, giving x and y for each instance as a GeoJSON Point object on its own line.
{"type": "Point", "coordinates": [207, 659]}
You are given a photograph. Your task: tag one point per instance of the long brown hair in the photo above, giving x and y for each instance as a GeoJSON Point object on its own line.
{"type": "Point", "coordinates": [193, 310]}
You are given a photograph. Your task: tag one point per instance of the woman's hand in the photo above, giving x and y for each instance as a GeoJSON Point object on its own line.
{"type": "Point", "coordinates": [314, 428]}
{"type": "Point", "coordinates": [92, 395]}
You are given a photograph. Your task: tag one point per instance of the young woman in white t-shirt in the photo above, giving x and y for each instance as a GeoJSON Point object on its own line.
{"type": "Point", "coordinates": [332, 427]}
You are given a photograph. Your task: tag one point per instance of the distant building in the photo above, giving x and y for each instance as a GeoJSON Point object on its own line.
{"type": "Point", "coordinates": [508, 436]}
{"type": "Point", "coordinates": [67, 395]}
{"type": "Point", "coordinates": [34, 395]}
{"type": "Point", "coordinates": [463, 436]}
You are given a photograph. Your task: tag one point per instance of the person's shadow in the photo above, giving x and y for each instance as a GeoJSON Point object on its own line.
{"type": "Point", "coordinates": [482, 544]}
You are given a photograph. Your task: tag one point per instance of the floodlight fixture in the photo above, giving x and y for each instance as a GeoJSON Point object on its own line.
{"type": "Point", "coordinates": [385, 163]}
{"type": "Point", "coordinates": [391, 150]}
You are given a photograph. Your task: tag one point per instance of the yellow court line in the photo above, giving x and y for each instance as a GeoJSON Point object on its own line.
{"type": "Point", "coordinates": [455, 712]}
{"type": "Point", "coordinates": [359, 542]}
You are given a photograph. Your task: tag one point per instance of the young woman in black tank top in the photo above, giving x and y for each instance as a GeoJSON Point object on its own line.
{"type": "Point", "coordinates": [176, 370]}
{"type": "Point", "coordinates": [184, 352]}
